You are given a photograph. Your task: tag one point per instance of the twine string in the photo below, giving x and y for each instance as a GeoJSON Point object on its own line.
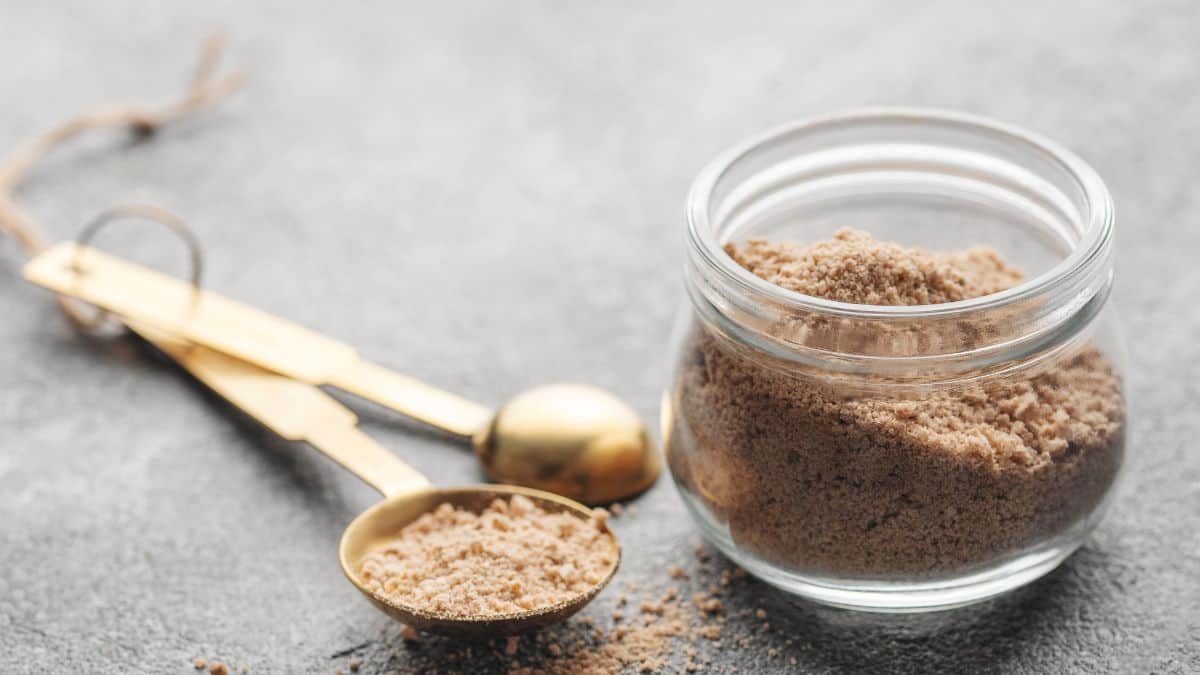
{"type": "Point", "coordinates": [205, 89]}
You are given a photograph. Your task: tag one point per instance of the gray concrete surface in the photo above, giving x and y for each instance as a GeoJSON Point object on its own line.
{"type": "Point", "coordinates": [488, 196]}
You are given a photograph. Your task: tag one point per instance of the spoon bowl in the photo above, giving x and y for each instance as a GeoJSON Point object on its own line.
{"type": "Point", "coordinates": [571, 439]}
{"type": "Point", "coordinates": [382, 523]}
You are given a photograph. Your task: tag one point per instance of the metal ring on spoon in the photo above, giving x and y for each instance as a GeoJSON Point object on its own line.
{"type": "Point", "coordinates": [145, 212]}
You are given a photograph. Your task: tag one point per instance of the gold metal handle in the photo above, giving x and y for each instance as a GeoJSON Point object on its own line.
{"type": "Point", "coordinates": [368, 460]}
{"type": "Point", "coordinates": [294, 410]}
{"type": "Point", "coordinates": [202, 317]}
{"type": "Point", "coordinates": [414, 398]}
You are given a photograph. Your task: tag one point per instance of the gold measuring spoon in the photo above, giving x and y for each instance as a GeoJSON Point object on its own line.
{"type": "Point", "coordinates": [298, 411]}
{"type": "Point", "coordinates": [574, 440]}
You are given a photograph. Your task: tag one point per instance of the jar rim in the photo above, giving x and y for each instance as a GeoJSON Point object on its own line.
{"type": "Point", "coordinates": [1095, 236]}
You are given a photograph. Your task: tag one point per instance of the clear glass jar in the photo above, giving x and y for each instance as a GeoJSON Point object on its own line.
{"type": "Point", "coordinates": [899, 458]}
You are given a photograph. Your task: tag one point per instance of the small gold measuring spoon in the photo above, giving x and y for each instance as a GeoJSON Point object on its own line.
{"type": "Point", "coordinates": [298, 411]}
{"type": "Point", "coordinates": [574, 440]}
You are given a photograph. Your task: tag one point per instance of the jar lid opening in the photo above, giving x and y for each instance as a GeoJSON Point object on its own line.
{"type": "Point", "coordinates": [939, 145]}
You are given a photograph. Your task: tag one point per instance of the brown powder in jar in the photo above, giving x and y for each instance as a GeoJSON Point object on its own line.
{"type": "Point", "coordinates": [815, 480]}
{"type": "Point", "coordinates": [853, 267]}
{"type": "Point", "coordinates": [513, 557]}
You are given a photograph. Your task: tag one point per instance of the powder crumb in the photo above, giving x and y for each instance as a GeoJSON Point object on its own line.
{"type": "Point", "coordinates": [708, 604]}
{"type": "Point", "coordinates": [622, 600]}
{"type": "Point", "coordinates": [554, 650]}
{"type": "Point", "coordinates": [616, 510]}
{"type": "Point", "coordinates": [760, 614]}
{"type": "Point", "coordinates": [739, 573]}
{"type": "Point", "coordinates": [218, 668]}
{"type": "Point", "coordinates": [338, 671]}
{"type": "Point", "coordinates": [511, 645]}
{"type": "Point", "coordinates": [513, 557]}
{"type": "Point", "coordinates": [772, 652]}
{"type": "Point", "coordinates": [199, 663]}
{"type": "Point", "coordinates": [677, 572]}
{"type": "Point", "coordinates": [652, 607]}
{"type": "Point", "coordinates": [410, 634]}
{"type": "Point", "coordinates": [355, 664]}
{"type": "Point", "coordinates": [701, 552]}
{"type": "Point", "coordinates": [618, 615]}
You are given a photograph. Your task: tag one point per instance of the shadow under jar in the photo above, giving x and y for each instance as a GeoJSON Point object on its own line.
{"type": "Point", "coordinates": [899, 458]}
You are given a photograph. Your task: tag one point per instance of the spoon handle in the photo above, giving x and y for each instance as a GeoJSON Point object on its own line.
{"type": "Point", "coordinates": [294, 410]}
{"type": "Point", "coordinates": [443, 410]}
{"type": "Point", "coordinates": [203, 317]}
{"type": "Point", "coordinates": [367, 459]}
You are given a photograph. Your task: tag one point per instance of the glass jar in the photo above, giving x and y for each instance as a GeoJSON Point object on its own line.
{"type": "Point", "coordinates": [899, 458]}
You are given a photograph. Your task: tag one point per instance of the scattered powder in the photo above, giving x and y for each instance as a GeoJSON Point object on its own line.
{"type": "Point", "coordinates": [410, 634]}
{"type": "Point", "coordinates": [199, 663]}
{"type": "Point", "coordinates": [668, 635]}
{"type": "Point", "coordinates": [815, 480]}
{"type": "Point", "coordinates": [643, 647]}
{"type": "Point", "coordinates": [218, 668]}
{"type": "Point", "coordinates": [355, 664]}
{"type": "Point", "coordinates": [513, 557]}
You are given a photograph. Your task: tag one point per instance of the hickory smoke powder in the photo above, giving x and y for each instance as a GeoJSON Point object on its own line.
{"type": "Point", "coordinates": [513, 557]}
{"type": "Point", "coordinates": [816, 479]}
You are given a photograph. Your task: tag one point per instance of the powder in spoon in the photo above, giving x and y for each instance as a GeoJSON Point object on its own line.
{"type": "Point", "coordinates": [513, 557]}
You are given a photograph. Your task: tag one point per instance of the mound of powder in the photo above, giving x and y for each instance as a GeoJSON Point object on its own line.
{"type": "Point", "coordinates": [853, 267]}
{"type": "Point", "coordinates": [818, 479]}
{"type": "Point", "coordinates": [513, 557]}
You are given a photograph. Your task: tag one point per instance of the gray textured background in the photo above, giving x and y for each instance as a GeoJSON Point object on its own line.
{"type": "Point", "coordinates": [490, 197]}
